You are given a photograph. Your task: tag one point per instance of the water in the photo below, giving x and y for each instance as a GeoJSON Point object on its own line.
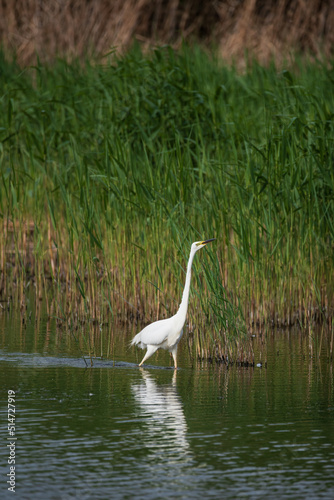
{"type": "Point", "coordinates": [116, 431]}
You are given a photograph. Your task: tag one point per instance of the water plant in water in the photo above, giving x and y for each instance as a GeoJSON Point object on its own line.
{"type": "Point", "coordinates": [103, 165]}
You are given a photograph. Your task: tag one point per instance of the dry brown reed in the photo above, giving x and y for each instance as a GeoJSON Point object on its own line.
{"type": "Point", "coordinates": [89, 291]}
{"type": "Point", "coordinates": [81, 28]}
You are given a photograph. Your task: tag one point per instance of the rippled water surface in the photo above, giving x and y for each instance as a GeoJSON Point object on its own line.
{"type": "Point", "coordinates": [116, 431]}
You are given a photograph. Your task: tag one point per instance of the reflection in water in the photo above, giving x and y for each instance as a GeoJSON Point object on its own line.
{"type": "Point", "coordinates": [114, 432]}
{"type": "Point", "coordinates": [161, 411]}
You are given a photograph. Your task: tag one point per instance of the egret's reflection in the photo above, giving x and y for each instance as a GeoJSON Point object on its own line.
{"type": "Point", "coordinates": [161, 410]}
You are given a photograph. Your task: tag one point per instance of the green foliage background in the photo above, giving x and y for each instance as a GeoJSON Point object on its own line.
{"type": "Point", "coordinates": [120, 165]}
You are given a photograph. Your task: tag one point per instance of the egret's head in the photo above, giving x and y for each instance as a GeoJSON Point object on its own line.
{"type": "Point", "coordinates": [200, 244]}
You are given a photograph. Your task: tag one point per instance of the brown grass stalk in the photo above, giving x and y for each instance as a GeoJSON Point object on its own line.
{"type": "Point", "coordinates": [79, 28]}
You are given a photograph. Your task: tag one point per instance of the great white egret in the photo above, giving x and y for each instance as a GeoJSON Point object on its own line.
{"type": "Point", "coordinates": [167, 333]}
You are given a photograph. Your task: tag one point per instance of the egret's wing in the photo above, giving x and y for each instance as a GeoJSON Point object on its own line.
{"type": "Point", "coordinates": [156, 333]}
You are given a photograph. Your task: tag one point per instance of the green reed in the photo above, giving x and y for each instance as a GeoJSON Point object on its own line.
{"type": "Point", "coordinates": [110, 170]}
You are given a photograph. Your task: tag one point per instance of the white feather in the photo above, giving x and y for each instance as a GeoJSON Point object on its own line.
{"type": "Point", "coordinates": [167, 333]}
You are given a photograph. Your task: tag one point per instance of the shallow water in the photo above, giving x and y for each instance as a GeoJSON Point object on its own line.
{"type": "Point", "coordinates": [116, 431]}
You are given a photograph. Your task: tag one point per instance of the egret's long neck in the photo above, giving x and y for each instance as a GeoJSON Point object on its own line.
{"type": "Point", "coordinates": [182, 312]}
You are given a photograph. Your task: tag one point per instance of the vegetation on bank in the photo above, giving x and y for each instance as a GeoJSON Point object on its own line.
{"type": "Point", "coordinates": [109, 171]}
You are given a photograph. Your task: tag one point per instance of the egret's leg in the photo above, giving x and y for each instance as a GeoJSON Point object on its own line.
{"type": "Point", "coordinates": [150, 350]}
{"type": "Point", "coordinates": [174, 352]}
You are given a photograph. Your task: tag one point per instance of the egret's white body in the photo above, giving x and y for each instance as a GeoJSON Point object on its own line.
{"type": "Point", "coordinates": [167, 333]}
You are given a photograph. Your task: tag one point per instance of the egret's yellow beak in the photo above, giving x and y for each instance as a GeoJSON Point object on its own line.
{"type": "Point", "coordinates": [205, 242]}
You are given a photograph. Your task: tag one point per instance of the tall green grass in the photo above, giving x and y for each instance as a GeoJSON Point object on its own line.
{"type": "Point", "coordinates": [110, 170]}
